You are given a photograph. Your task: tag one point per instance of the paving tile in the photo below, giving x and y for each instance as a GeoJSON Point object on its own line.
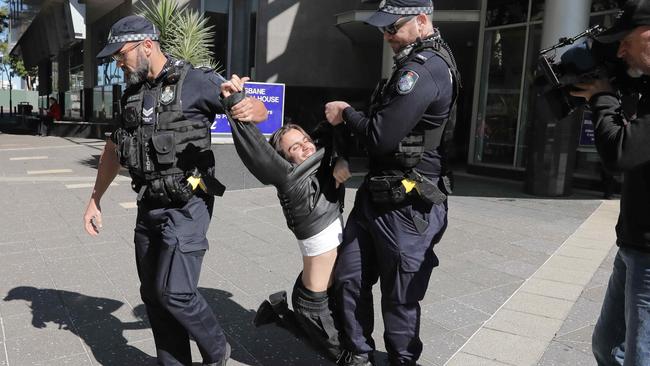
{"type": "Point", "coordinates": [76, 360]}
{"type": "Point", "coordinates": [42, 347]}
{"type": "Point", "coordinates": [489, 344]}
{"type": "Point", "coordinates": [466, 359]}
{"type": "Point", "coordinates": [565, 275]}
{"type": "Point", "coordinates": [452, 315]}
{"type": "Point", "coordinates": [523, 324]}
{"type": "Point", "coordinates": [550, 288]}
{"type": "Point", "coordinates": [539, 305]}
{"type": "Point", "coordinates": [559, 354]}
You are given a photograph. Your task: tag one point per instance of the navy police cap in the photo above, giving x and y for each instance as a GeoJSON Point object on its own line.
{"type": "Point", "coordinates": [128, 29]}
{"type": "Point", "coordinates": [634, 13]}
{"type": "Point", "coordinates": [391, 10]}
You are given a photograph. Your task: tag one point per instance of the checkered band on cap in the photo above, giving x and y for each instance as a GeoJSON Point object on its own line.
{"type": "Point", "coordinates": [132, 37]}
{"type": "Point", "coordinates": [407, 11]}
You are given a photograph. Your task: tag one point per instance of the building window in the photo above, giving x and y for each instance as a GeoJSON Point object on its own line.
{"type": "Point", "coordinates": [73, 100]}
{"type": "Point", "coordinates": [503, 12]}
{"type": "Point", "coordinates": [218, 14]}
{"type": "Point", "coordinates": [496, 133]}
{"type": "Point", "coordinates": [109, 78]}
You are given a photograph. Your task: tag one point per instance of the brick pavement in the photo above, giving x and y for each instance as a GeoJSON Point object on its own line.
{"type": "Point", "coordinates": [69, 299]}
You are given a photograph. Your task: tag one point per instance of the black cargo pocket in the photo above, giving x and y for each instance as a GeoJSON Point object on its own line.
{"type": "Point", "coordinates": [184, 270]}
{"type": "Point", "coordinates": [413, 251]}
{"type": "Point", "coordinates": [193, 247]}
{"type": "Point", "coordinates": [164, 144]}
{"type": "Point", "coordinates": [129, 153]}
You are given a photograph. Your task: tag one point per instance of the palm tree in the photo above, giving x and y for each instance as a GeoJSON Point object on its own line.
{"type": "Point", "coordinates": [184, 33]}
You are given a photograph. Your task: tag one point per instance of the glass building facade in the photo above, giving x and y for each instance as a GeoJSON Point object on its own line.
{"type": "Point", "coordinates": [511, 37]}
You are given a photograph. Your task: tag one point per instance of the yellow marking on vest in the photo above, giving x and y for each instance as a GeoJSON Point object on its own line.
{"type": "Point", "coordinates": [408, 184]}
{"type": "Point", "coordinates": [194, 182]}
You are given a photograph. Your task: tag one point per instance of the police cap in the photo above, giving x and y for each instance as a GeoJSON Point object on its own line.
{"type": "Point", "coordinates": [391, 10]}
{"type": "Point", "coordinates": [634, 13]}
{"type": "Point", "coordinates": [128, 29]}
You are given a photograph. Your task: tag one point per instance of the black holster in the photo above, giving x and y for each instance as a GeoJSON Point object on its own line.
{"type": "Point", "coordinates": [426, 188]}
{"type": "Point", "coordinates": [386, 189]}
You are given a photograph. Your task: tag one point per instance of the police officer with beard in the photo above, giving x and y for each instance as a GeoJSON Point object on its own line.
{"type": "Point", "coordinates": [163, 139]}
{"type": "Point", "coordinates": [400, 209]}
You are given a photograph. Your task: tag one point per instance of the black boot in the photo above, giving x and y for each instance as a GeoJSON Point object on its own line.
{"type": "Point", "coordinates": [355, 359]}
{"type": "Point", "coordinates": [265, 315]}
{"type": "Point", "coordinates": [313, 313]}
{"type": "Point", "coordinates": [225, 358]}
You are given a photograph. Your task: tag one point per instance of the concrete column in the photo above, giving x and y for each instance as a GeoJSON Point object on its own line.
{"type": "Point", "coordinates": [386, 61]}
{"type": "Point", "coordinates": [553, 142]}
{"type": "Point", "coordinates": [239, 40]}
{"type": "Point", "coordinates": [564, 18]}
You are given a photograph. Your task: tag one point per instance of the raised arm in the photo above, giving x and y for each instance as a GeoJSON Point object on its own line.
{"type": "Point", "coordinates": [247, 109]}
{"type": "Point", "coordinates": [259, 157]}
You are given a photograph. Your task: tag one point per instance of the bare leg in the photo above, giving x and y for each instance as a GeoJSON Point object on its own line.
{"type": "Point", "coordinates": [317, 272]}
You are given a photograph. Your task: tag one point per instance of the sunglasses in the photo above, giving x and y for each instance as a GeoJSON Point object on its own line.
{"type": "Point", "coordinates": [399, 23]}
{"type": "Point", "coordinates": [119, 57]}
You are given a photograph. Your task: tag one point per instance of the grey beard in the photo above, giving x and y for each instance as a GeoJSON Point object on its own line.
{"type": "Point", "coordinates": [140, 73]}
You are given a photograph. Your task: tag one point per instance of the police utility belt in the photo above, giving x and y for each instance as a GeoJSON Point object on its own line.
{"type": "Point", "coordinates": [177, 188]}
{"type": "Point", "coordinates": [148, 181]}
{"type": "Point", "coordinates": [395, 189]}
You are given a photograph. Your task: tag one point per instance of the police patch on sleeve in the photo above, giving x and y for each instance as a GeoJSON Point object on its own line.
{"type": "Point", "coordinates": [407, 81]}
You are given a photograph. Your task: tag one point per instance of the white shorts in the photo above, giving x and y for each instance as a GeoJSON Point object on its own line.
{"type": "Point", "coordinates": [324, 241]}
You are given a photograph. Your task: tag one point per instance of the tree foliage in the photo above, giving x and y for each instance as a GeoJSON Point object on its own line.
{"type": "Point", "coordinates": [184, 33]}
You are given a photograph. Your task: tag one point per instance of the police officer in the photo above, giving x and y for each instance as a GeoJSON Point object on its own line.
{"type": "Point", "coordinates": [400, 209]}
{"type": "Point", "coordinates": [163, 139]}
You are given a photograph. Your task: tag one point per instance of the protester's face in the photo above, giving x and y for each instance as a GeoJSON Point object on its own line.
{"type": "Point", "coordinates": [296, 146]}
{"type": "Point", "coordinates": [133, 62]}
{"type": "Point", "coordinates": [407, 33]}
{"type": "Point", "coordinates": [635, 49]}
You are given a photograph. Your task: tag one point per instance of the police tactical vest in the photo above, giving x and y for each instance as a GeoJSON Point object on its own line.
{"type": "Point", "coordinates": [156, 142]}
{"type": "Point", "coordinates": [424, 136]}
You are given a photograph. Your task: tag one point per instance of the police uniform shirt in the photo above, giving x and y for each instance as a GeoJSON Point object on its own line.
{"type": "Point", "coordinates": [415, 93]}
{"type": "Point", "coordinates": [200, 94]}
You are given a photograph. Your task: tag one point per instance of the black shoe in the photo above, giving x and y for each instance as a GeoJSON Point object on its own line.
{"type": "Point", "coordinates": [354, 359]}
{"type": "Point", "coordinates": [279, 302]}
{"type": "Point", "coordinates": [265, 314]}
{"type": "Point", "coordinates": [225, 358]}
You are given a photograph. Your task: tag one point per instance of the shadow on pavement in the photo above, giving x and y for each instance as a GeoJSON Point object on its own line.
{"type": "Point", "coordinates": [90, 318]}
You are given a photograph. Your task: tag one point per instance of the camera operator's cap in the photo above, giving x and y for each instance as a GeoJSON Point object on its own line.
{"type": "Point", "coordinates": [634, 13]}
{"type": "Point", "coordinates": [128, 29]}
{"type": "Point", "coordinates": [391, 10]}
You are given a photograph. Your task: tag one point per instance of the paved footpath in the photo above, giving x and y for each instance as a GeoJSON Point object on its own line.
{"type": "Point", "coordinates": [520, 280]}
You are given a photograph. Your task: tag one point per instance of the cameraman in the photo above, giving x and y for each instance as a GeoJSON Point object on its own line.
{"type": "Point", "coordinates": [622, 333]}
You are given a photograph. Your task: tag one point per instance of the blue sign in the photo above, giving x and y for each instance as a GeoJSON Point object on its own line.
{"type": "Point", "coordinates": [587, 131]}
{"type": "Point", "coordinates": [272, 95]}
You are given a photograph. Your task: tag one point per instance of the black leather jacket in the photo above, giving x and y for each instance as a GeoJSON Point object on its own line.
{"type": "Point", "coordinates": [307, 191]}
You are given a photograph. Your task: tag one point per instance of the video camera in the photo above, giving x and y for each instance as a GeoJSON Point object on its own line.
{"type": "Point", "coordinates": [585, 61]}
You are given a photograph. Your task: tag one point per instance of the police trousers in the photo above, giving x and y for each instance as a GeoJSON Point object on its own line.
{"type": "Point", "coordinates": [393, 245]}
{"type": "Point", "coordinates": [170, 243]}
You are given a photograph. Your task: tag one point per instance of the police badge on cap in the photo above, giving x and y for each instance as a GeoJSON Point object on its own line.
{"type": "Point", "coordinates": [391, 10]}
{"type": "Point", "coordinates": [128, 29]}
